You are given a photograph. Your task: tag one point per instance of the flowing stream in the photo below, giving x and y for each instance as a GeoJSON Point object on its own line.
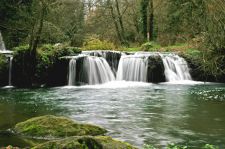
{"type": "Point", "coordinates": [136, 112]}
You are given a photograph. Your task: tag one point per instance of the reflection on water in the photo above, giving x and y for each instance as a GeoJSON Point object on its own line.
{"type": "Point", "coordinates": [191, 115]}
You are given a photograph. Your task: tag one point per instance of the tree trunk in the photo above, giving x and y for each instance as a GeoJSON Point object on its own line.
{"type": "Point", "coordinates": [120, 21]}
{"type": "Point", "coordinates": [144, 6]}
{"type": "Point", "coordinates": [115, 23]}
{"type": "Point", "coordinates": [35, 38]}
{"type": "Point", "coordinates": [151, 20]}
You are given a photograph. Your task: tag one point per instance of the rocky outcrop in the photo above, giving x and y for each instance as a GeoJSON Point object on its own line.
{"type": "Point", "coordinates": [155, 69]}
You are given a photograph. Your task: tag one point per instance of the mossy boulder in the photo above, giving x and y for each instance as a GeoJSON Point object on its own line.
{"type": "Point", "coordinates": [55, 127]}
{"type": "Point", "coordinates": [85, 142]}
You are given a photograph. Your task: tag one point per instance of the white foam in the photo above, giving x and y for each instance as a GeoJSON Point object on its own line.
{"type": "Point", "coordinates": [185, 82]}
{"type": "Point", "coordinates": [114, 84]}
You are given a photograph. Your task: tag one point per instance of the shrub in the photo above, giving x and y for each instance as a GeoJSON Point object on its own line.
{"type": "Point", "coordinates": [150, 46]}
{"type": "Point", "coordinates": [94, 43]}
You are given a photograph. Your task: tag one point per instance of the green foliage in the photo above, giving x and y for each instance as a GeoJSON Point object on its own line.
{"type": "Point", "coordinates": [52, 34]}
{"type": "Point", "coordinates": [150, 46]}
{"type": "Point", "coordinates": [209, 146]}
{"type": "Point", "coordinates": [173, 146]}
{"type": "Point", "coordinates": [94, 43]}
{"type": "Point", "coordinates": [47, 58]}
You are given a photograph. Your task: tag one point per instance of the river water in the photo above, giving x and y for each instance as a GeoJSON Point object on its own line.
{"type": "Point", "coordinates": [191, 114]}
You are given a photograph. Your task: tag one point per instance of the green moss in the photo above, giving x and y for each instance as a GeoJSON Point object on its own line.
{"type": "Point", "coordinates": [86, 142]}
{"type": "Point", "coordinates": [52, 126]}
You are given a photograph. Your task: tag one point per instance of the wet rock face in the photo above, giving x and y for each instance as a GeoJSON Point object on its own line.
{"type": "Point", "coordinates": [155, 69]}
{"type": "Point", "coordinates": [87, 142]}
{"type": "Point", "coordinates": [4, 72]}
{"type": "Point", "coordinates": [54, 127]}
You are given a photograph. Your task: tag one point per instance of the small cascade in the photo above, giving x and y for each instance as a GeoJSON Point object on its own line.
{"type": "Point", "coordinates": [72, 72]}
{"type": "Point", "coordinates": [112, 57]}
{"type": "Point", "coordinates": [10, 71]}
{"type": "Point", "coordinates": [132, 68]}
{"type": "Point", "coordinates": [89, 70]}
{"type": "Point", "coordinates": [2, 44]}
{"type": "Point", "coordinates": [176, 68]}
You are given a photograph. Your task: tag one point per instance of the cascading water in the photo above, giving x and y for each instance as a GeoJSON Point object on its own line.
{"type": "Point", "coordinates": [93, 67]}
{"type": "Point", "coordinates": [10, 71]}
{"type": "Point", "coordinates": [91, 70]}
{"type": "Point", "coordinates": [112, 57]}
{"type": "Point", "coordinates": [72, 72]}
{"type": "Point", "coordinates": [176, 68]}
{"type": "Point", "coordinates": [132, 68]}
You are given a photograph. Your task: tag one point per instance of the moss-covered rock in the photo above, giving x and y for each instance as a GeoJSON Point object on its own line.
{"type": "Point", "coordinates": [54, 127]}
{"type": "Point", "coordinates": [86, 142]}
{"type": "Point", "coordinates": [50, 70]}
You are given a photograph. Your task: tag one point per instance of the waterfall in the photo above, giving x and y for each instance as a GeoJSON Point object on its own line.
{"type": "Point", "coordinates": [132, 68]}
{"type": "Point", "coordinates": [112, 57]}
{"type": "Point", "coordinates": [176, 68]}
{"type": "Point", "coordinates": [97, 67]}
{"type": "Point", "coordinates": [2, 44]}
{"type": "Point", "coordinates": [72, 72]}
{"type": "Point", "coordinates": [10, 71]}
{"type": "Point", "coordinates": [89, 69]}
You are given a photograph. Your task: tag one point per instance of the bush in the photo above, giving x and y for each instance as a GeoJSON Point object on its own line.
{"type": "Point", "coordinates": [150, 46]}
{"type": "Point", "coordinates": [94, 43]}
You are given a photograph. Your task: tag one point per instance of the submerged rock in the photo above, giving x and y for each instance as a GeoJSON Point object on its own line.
{"type": "Point", "coordinates": [50, 126]}
{"type": "Point", "coordinates": [85, 142]}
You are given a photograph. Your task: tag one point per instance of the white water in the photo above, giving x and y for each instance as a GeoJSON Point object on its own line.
{"type": "Point", "coordinates": [72, 72]}
{"type": "Point", "coordinates": [94, 69]}
{"type": "Point", "coordinates": [10, 71]}
{"type": "Point", "coordinates": [132, 68]}
{"type": "Point", "coordinates": [97, 71]}
{"type": "Point", "coordinates": [176, 68]}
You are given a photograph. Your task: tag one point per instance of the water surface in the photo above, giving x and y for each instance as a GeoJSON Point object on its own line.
{"type": "Point", "coordinates": [139, 113]}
